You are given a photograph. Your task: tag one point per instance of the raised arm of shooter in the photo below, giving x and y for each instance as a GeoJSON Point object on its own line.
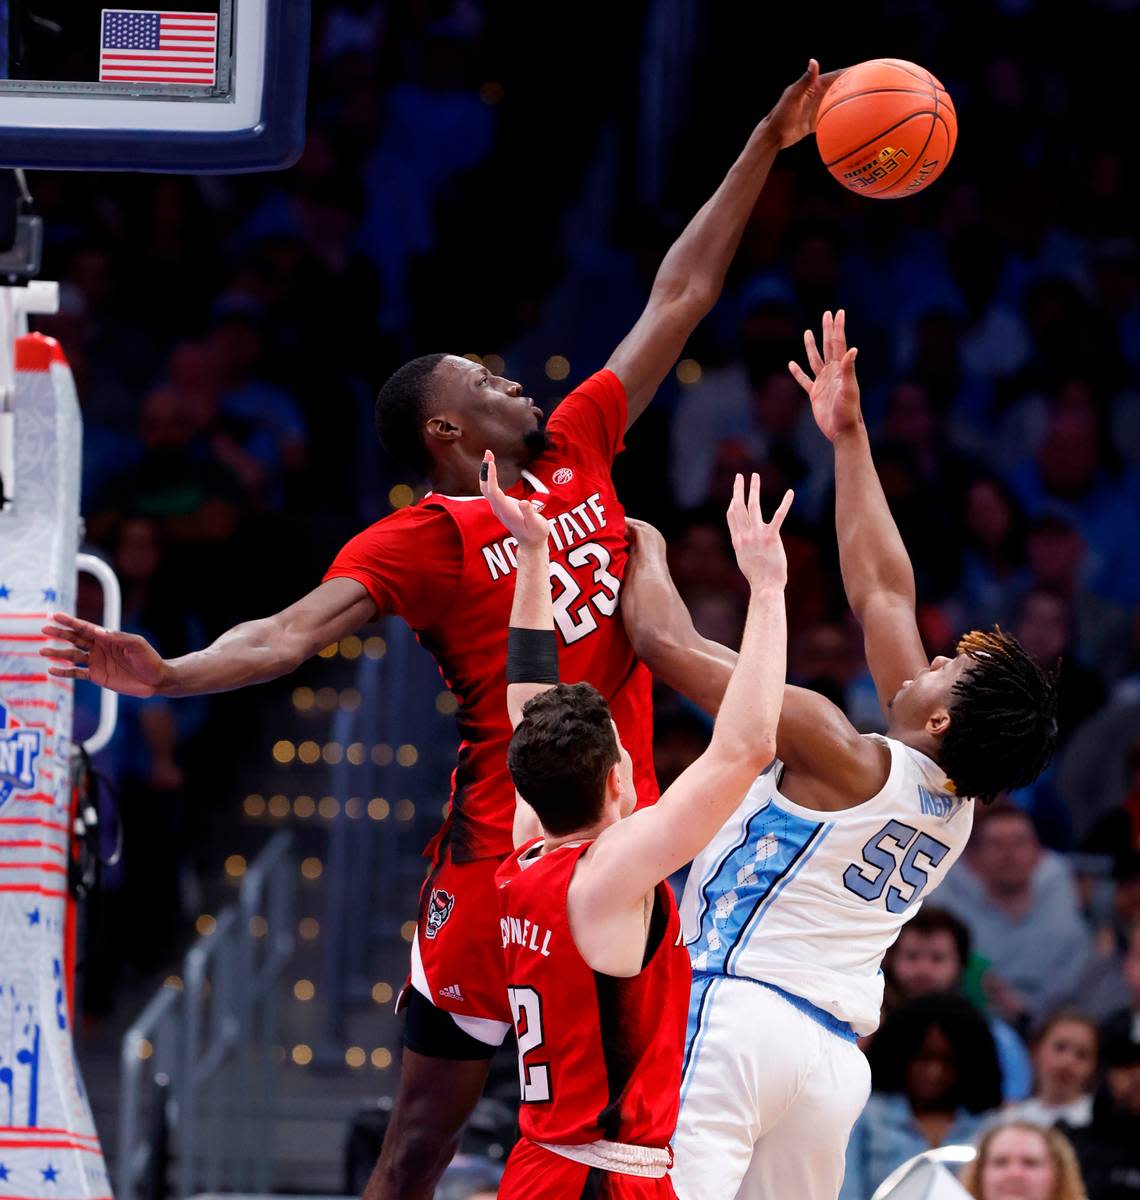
{"type": "Point", "coordinates": [633, 855]}
{"type": "Point", "coordinates": [532, 647]}
{"type": "Point", "coordinates": [252, 652]}
{"type": "Point", "coordinates": [691, 275]}
{"type": "Point", "coordinates": [813, 738]}
{"type": "Point", "coordinates": [877, 573]}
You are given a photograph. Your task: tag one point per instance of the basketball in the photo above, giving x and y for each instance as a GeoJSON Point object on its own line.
{"type": "Point", "coordinates": [886, 128]}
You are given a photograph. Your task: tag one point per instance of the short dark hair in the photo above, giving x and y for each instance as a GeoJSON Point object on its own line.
{"type": "Point", "coordinates": [561, 753]}
{"type": "Point", "coordinates": [931, 919]}
{"type": "Point", "coordinates": [1066, 1016]}
{"type": "Point", "coordinates": [1003, 718]}
{"type": "Point", "coordinates": [977, 1086]}
{"type": "Point", "coordinates": [402, 408]}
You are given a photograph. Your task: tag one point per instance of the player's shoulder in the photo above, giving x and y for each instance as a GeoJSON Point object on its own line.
{"type": "Point", "coordinates": [601, 385]}
{"type": "Point", "coordinates": [424, 513]}
{"type": "Point", "coordinates": [424, 526]}
{"type": "Point", "coordinates": [597, 406]}
{"type": "Point", "coordinates": [921, 783]}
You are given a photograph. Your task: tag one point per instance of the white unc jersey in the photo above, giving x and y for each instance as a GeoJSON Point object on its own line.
{"type": "Point", "coordinates": [810, 901]}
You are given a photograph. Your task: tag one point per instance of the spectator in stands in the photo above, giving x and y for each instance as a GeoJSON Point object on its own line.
{"type": "Point", "coordinates": [1057, 556]}
{"type": "Point", "coordinates": [1109, 1147]}
{"type": "Point", "coordinates": [1126, 1021]}
{"type": "Point", "coordinates": [1072, 474]}
{"type": "Point", "coordinates": [1118, 832]}
{"type": "Point", "coordinates": [1102, 988]}
{"type": "Point", "coordinates": [1065, 1053]}
{"type": "Point", "coordinates": [1019, 1160]}
{"type": "Point", "coordinates": [1019, 902]}
{"type": "Point", "coordinates": [1045, 627]}
{"type": "Point", "coordinates": [930, 956]}
{"type": "Point", "coordinates": [994, 554]}
{"type": "Point", "coordinates": [934, 1073]}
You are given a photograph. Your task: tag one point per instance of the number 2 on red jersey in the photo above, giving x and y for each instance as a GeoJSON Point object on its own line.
{"type": "Point", "coordinates": [526, 1009]}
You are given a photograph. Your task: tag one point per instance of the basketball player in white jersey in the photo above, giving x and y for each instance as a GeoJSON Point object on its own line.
{"type": "Point", "coordinates": [788, 912]}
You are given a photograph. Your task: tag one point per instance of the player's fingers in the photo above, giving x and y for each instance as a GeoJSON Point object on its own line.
{"type": "Point", "coordinates": [67, 621]}
{"type": "Point", "coordinates": [66, 635]}
{"type": "Point", "coordinates": [848, 363]}
{"type": "Point", "coordinates": [69, 672]}
{"type": "Point", "coordinates": [64, 654]}
{"type": "Point", "coordinates": [754, 514]}
{"type": "Point", "coordinates": [828, 337]}
{"type": "Point", "coordinates": [780, 513]}
{"type": "Point", "coordinates": [813, 355]}
{"type": "Point", "coordinates": [797, 373]}
{"type": "Point", "coordinates": [736, 507]}
{"type": "Point", "coordinates": [488, 476]}
{"type": "Point", "coordinates": [841, 332]}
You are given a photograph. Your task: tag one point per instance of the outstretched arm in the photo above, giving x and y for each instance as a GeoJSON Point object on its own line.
{"type": "Point", "coordinates": [532, 611]}
{"type": "Point", "coordinates": [252, 652]}
{"type": "Point", "coordinates": [634, 855]}
{"type": "Point", "coordinates": [691, 276]}
{"type": "Point", "coordinates": [877, 574]}
{"type": "Point", "coordinates": [814, 738]}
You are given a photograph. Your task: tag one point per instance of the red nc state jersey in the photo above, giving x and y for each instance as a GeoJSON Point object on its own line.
{"type": "Point", "coordinates": [447, 566]}
{"type": "Point", "coordinates": [599, 1056]}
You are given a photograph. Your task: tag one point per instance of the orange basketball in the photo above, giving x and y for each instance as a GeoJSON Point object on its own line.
{"type": "Point", "coordinates": [886, 128]}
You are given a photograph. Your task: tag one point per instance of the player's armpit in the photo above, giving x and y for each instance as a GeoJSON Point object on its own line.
{"type": "Point", "coordinates": [816, 740]}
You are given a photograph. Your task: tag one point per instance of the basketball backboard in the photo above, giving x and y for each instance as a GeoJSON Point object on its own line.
{"type": "Point", "coordinates": [203, 86]}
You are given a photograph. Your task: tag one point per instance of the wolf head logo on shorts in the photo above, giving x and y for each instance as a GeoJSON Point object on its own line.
{"type": "Point", "coordinates": [440, 904]}
{"type": "Point", "coordinates": [19, 749]}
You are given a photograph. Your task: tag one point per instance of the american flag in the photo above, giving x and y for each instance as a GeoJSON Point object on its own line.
{"type": "Point", "coordinates": [158, 47]}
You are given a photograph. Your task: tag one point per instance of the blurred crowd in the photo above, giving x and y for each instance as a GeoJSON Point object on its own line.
{"type": "Point", "coordinates": [463, 189]}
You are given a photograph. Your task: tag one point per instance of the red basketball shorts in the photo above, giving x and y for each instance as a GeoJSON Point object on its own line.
{"type": "Point", "coordinates": [457, 955]}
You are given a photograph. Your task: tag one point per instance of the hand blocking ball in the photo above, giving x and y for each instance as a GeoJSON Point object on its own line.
{"type": "Point", "coordinates": [886, 128]}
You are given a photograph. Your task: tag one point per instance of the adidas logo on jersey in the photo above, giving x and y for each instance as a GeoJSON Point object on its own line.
{"type": "Point", "coordinates": [452, 993]}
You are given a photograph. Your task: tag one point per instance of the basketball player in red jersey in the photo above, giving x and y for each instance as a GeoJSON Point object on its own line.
{"type": "Point", "coordinates": [597, 978]}
{"type": "Point", "coordinates": [447, 568]}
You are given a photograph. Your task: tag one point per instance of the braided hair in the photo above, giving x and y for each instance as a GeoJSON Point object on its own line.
{"type": "Point", "coordinates": [1003, 718]}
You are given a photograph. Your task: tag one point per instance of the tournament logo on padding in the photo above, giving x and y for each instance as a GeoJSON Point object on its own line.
{"type": "Point", "coordinates": [19, 749]}
{"type": "Point", "coordinates": [440, 904]}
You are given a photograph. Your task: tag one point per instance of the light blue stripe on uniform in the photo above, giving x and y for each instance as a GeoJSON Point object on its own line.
{"type": "Point", "coordinates": [740, 841]}
{"type": "Point", "coordinates": [700, 1013]}
{"type": "Point", "coordinates": [775, 840]}
{"type": "Point", "coordinates": [768, 901]}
